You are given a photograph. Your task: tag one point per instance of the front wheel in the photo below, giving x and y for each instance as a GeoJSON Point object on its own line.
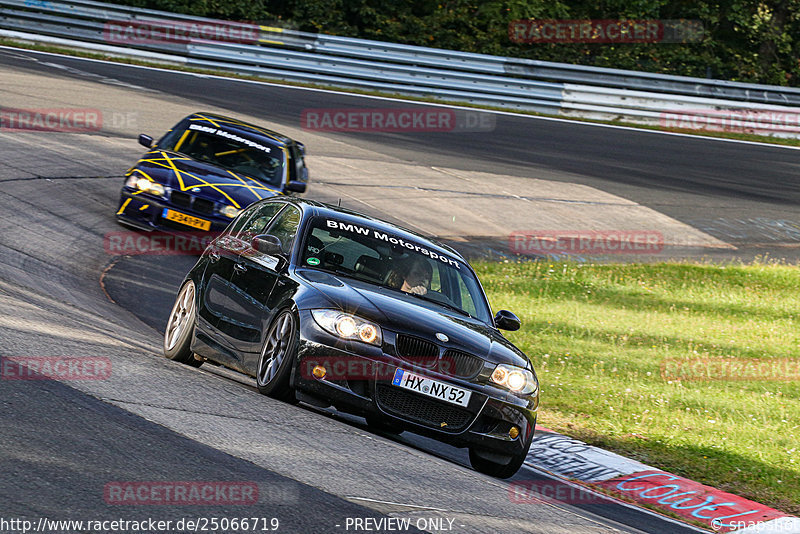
{"type": "Point", "coordinates": [180, 327]}
{"type": "Point", "coordinates": [277, 354]}
{"type": "Point", "coordinates": [488, 467]}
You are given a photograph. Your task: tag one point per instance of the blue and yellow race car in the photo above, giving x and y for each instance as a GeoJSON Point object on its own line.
{"type": "Point", "coordinates": [205, 170]}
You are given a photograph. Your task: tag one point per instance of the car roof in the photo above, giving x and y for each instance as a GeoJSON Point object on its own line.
{"type": "Point", "coordinates": [314, 208]}
{"type": "Point", "coordinates": [239, 127]}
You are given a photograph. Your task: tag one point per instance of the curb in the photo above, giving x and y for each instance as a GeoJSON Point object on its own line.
{"type": "Point", "coordinates": [642, 484]}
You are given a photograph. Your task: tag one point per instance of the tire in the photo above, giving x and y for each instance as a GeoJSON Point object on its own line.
{"type": "Point", "coordinates": [493, 469]}
{"type": "Point", "coordinates": [180, 327]}
{"type": "Point", "coordinates": [277, 355]}
{"type": "Point", "coordinates": [379, 424]}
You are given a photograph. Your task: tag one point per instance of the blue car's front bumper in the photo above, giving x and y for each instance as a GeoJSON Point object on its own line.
{"type": "Point", "coordinates": [146, 212]}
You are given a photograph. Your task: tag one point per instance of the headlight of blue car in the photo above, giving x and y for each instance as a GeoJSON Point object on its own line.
{"type": "Point", "coordinates": [146, 186]}
{"type": "Point", "coordinates": [229, 211]}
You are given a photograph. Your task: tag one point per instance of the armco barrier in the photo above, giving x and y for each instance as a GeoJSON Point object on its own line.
{"type": "Point", "coordinates": [513, 83]}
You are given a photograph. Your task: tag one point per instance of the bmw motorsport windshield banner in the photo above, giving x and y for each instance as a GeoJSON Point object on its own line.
{"type": "Point", "coordinates": [383, 236]}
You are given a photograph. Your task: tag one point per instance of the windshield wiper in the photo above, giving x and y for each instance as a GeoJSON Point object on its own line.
{"type": "Point", "coordinates": [354, 276]}
{"type": "Point", "coordinates": [344, 272]}
{"type": "Point", "coordinates": [440, 303]}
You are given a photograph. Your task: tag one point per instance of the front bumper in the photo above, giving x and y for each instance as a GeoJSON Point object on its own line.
{"type": "Point", "coordinates": [359, 382]}
{"type": "Point", "coordinates": [145, 213]}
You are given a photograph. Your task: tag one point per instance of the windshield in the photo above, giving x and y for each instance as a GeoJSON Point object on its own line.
{"type": "Point", "coordinates": [230, 151]}
{"type": "Point", "coordinates": [366, 253]}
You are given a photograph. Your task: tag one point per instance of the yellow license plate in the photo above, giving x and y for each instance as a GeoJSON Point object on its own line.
{"type": "Point", "coordinates": [188, 220]}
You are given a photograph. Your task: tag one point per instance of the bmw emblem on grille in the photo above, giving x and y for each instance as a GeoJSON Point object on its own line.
{"type": "Point", "coordinates": [441, 337]}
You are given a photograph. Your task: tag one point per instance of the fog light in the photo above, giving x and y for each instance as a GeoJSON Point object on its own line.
{"type": "Point", "coordinates": [319, 371]}
{"type": "Point", "coordinates": [513, 433]}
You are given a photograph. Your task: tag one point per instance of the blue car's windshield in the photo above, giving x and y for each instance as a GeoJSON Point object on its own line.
{"type": "Point", "coordinates": [378, 257]}
{"type": "Point", "coordinates": [257, 159]}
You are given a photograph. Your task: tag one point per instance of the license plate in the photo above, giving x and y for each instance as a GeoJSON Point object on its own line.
{"type": "Point", "coordinates": [431, 388]}
{"type": "Point", "coordinates": [188, 220]}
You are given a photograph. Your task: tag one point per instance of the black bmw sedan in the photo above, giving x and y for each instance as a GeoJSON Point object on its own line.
{"type": "Point", "coordinates": [330, 307]}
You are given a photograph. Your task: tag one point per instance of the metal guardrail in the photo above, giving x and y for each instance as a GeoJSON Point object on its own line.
{"type": "Point", "coordinates": [555, 88]}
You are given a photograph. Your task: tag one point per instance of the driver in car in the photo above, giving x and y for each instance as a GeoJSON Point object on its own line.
{"type": "Point", "coordinates": [412, 276]}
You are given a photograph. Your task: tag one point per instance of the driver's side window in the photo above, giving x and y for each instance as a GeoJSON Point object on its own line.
{"type": "Point", "coordinates": [258, 221]}
{"type": "Point", "coordinates": [285, 227]}
{"type": "Point", "coordinates": [240, 221]}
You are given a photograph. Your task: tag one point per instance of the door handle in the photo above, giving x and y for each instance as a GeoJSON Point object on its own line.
{"type": "Point", "coordinates": [239, 268]}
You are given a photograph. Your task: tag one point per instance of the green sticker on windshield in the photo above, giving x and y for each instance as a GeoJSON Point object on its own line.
{"type": "Point", "coordinates": [312, 261]}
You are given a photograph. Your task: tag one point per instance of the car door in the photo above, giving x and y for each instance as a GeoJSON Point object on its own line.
{"type": "Point", "coordinates": [227, 307]}
{"type": "Point", "coordinates": [216, 272]}
{"type": "Point", "coordinates": [262, 281]}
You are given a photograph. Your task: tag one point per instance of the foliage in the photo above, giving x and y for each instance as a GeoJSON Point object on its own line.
{"type": "Point", "coordinates": [744, 40]}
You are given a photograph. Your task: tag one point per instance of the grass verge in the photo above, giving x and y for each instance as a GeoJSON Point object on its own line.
{"type": "Point", "coordinates": [54, 49]}
{"type": "Point", "coordinates": [606, 340]}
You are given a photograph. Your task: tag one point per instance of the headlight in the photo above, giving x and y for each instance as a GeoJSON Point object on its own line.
{"type": "Point", "coordinates": [347, 326]}
{"type": "Point", "coordinates": [516, 379]}
{"type": "Point", "coordinates": [229, 211]}
{"type": "Point", "coordinates": [146, 186]}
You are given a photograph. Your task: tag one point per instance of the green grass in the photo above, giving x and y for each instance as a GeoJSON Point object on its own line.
{"type": "Point", "coordinates": [598, 334]}
{"type": "Point", "coordinates": [54, 49]}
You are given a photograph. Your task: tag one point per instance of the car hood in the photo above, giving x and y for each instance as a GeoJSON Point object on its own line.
{"type": "Point", "coordinates": [402, 313]}
{"type": "Point", "coordinates": [203, 180]}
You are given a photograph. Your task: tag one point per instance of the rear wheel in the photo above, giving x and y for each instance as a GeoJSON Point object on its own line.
{"type": "Point", "coordinates": [277, 354]}
{"type": "Point", "coordinates": [494, 469]}
{"type": "Point", "coordinates": [180, 327]}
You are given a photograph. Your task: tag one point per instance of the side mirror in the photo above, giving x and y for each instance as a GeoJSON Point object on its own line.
{"type": "Point", "coordinates": [267, 244]}
{"type": "Point", "coordinates": [505, 320]}
{"type": "Point", "coordinates": [296, 187]}
{"type": "Point", "coordinates": [146, 141]}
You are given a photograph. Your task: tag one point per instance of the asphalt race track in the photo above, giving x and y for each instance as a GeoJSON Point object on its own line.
{"type": "Point", "coordinates": [63, 294]}
{"type": "Point", "coordinates": [744, 194]}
